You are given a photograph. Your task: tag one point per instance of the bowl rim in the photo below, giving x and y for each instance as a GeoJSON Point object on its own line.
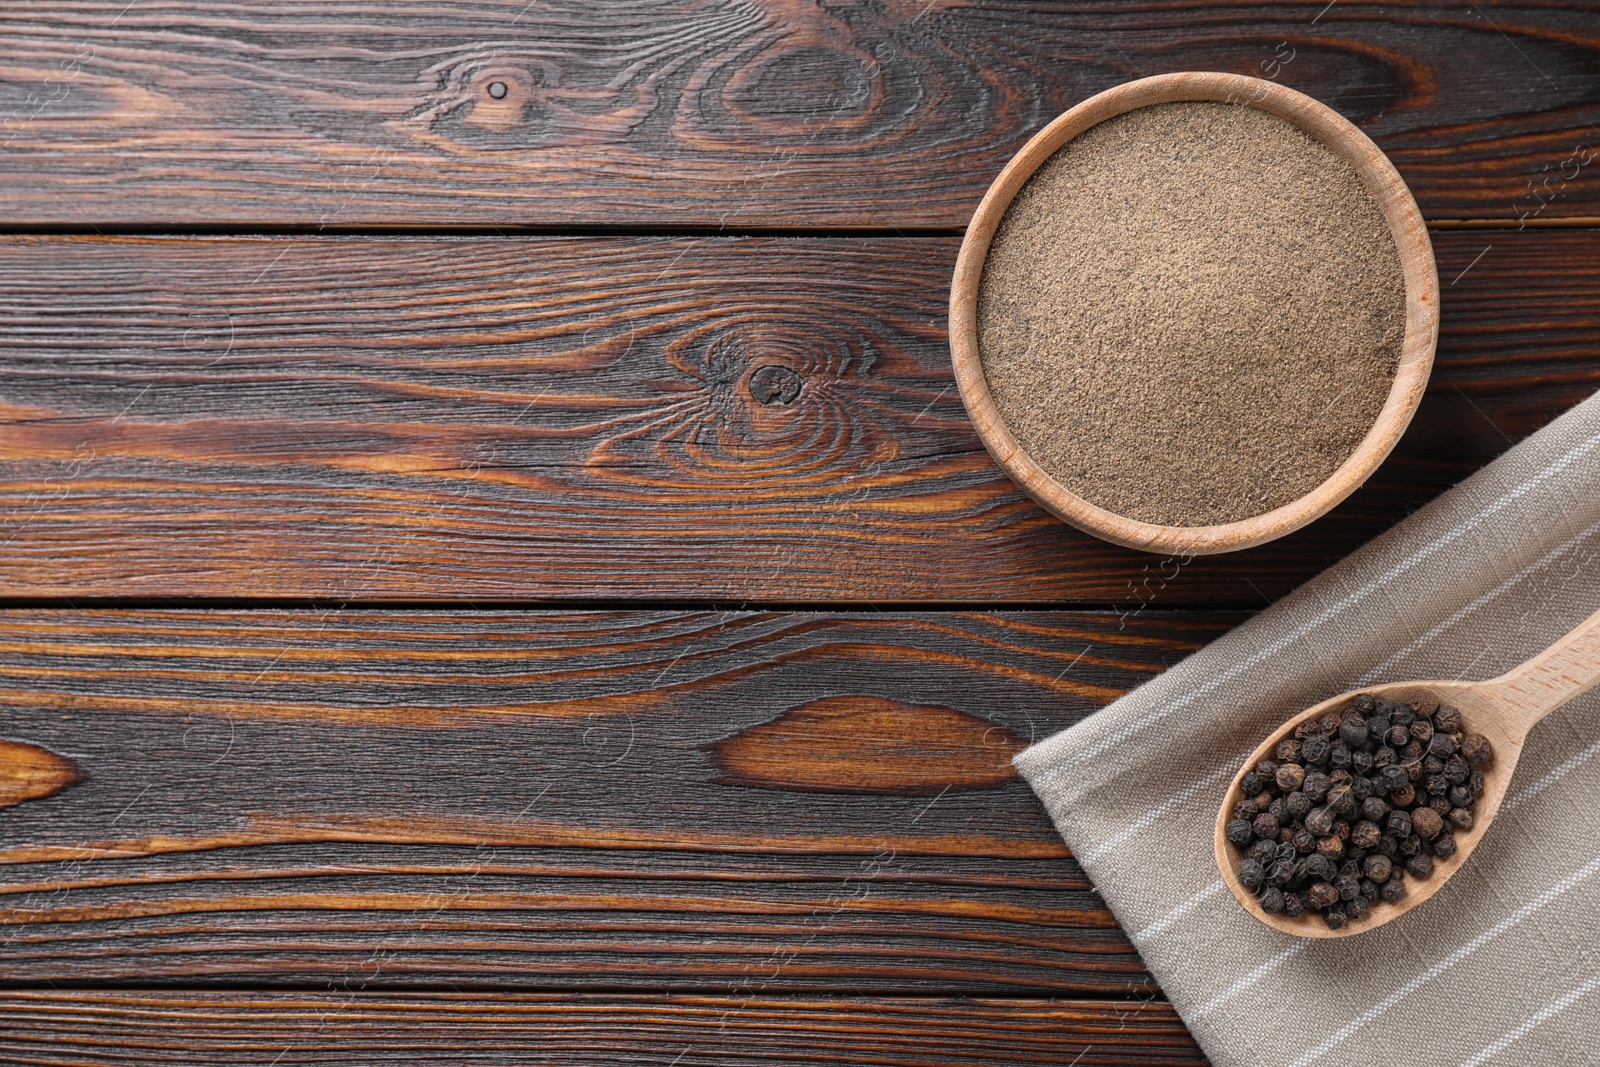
{"type": "Point", "coordinates": [1416, 354]}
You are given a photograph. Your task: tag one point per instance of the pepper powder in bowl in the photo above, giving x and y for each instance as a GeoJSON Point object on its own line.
{"type": "Point", "coordinates": [1194, 313]}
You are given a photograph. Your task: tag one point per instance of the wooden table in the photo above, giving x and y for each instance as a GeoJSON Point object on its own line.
{"type": "Point", "coordinates": [495, 567]}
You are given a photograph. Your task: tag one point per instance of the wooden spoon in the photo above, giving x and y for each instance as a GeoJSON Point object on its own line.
{"type": "Point", "coordinates": [1503, 709]}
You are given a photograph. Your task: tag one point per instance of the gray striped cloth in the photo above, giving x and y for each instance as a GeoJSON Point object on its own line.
{"type": "Point", "coordinates": [1502, 966]}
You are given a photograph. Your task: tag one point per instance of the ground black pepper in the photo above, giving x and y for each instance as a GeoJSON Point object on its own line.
{"type": "Point", "coordinates": [1355, 803]}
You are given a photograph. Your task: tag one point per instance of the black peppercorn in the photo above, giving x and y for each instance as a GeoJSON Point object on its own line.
{"type": "Point", "coordinates": [1348, 885]}
{"type": "Point", "coordinates": [1420, 865]}
{"type": "Point", "coordinates": [1272, 900]}
{"type": "Point", "coordinates": [1316, 786]}
{"type": "Point", "coordinates": [1320, 821]}
{"type": "Point", "coordinates": [1422, 731]}
{"type": "Point", "coordinates": [1280, 873]}
{"type": "Point", "coordinates": [1315, 750]}
{"type": "Point", "coordinates": [1398, 736]}
{"type": "Point", "coordinates": [1377, 726]}
{"type": "Point", "coordinates": [1456, 769]}
{"type": "Point", "coordinates": [1462, 818]}
{"type": "Point", "coordinates": [1294, 905]}
{"type": "Point", "coordinates": [1475, 783]}
{"type": "Point", "coordinates": [1265, 825]}
{"type": "Point", "coordinates": [1365, 834]}
{"type": "Point", "coordinates": [1437, 784]}
{"type": "Point", "coordinates": [1399, 823]}
{"type": "Point", "coordinates": [1439, 804]}
{"type": "Point", "coordinates": [1404, 797]}
{"type": "Point", "coordinates": [1239, 832]}
{"type": "Point", "coordinates": [1377, 867]}
{"type": "Point", "coordinates": [1357, 908]}
{"type": "Point", "coordinates": [1444, 846]}
{"type": "Point", "coordinates": [1304, 841]}
{"type": "Point", "coordinates": [1389, 845]}
{"type": "Point", "coordinates": [1298, 805]}
{"type": "Point", "coordinates": [1334, 917]}
{"type": "Point", "coordinates": [1394, 890]}
{"type": "Point", "coordinates": [1412, 750]}
{"type": "Point", "coordinates": [1339, 755]}
{"type": "Point", "coordinates": [1364, 704]}
{"type": "Point", "coordinates": [1447, 719]}
{"type": "Point", "coordinates": [1391, 778]}
{"type": "Point", "coordinates": [1442, 745]}
{"type": "Point", "coordinates": [1478, 751]}
{"type": "Point", "coordinates": [1288, 751]}
{"type": "Point", "coordinates": [1251, 784]}
{"type": "Point", "coordinates": [1331, 847]}
{"type": "Point", "coordinates": [1251, 874]}
{"type": "Point", "coordinates": [1403, 715]}
{"type": "Point", "coordinates": [1279, 809]}
{"type": "Point", "coordinates": [1432, 765]}
{"type": "Point", "coordinates": [1341, 799]}
{"type": "Point", "coordinates": [1374, 809]}
{"type": "Point", "coordinates": [1460, 796]}
{"type": "Point", "coordinates": [1360, 762]}
{"type": "Point", "coordinates": [1290, 776]}
{"type": "Point", "coordinates": [1369, 890]}
{"type": "Point", "coordinates": [1426, 823]}
{"type": "Point", "coordinates": [1410, 845]}
{"type": "Point", "coordinates": [1341, 829]}
{"type": "Point", "coordinates": [1318, 868]}
{"type": "Point", "coordinates": [1383, 757]}
{"type": "Point", "coordinates": [1322, 895]}
{"type": "Point", "coordinates": [1353, 732]}
{"type": "Point", "coordinates": [1263, 852]}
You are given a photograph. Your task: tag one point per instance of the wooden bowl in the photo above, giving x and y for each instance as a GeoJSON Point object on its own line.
{"type": "Point", "coordinates": [1416, 354]}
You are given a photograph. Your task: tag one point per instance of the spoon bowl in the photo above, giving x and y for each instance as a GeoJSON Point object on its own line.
{"type": "Point", "coordinates": [1502, 709]}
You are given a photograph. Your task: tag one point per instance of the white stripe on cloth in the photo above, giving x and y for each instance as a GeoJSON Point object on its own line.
{"type": "Point", "coordinates": [1521, 1030]}
{"type": "Point", "coordinates": [1551, 779]}
{"type": "Point", "coordinates": [1250, 979]}
{"type": "Point", "coordinates": [1177, 913]}
{"type": "Point", "coordinates": [1339, 1036]}
{"type": "Point", "coordinates": [1149, 818]}
{"type": "Point", "coordinates": [1380, 583]}
{"type": "Point", "coordinates": [1498, 591]}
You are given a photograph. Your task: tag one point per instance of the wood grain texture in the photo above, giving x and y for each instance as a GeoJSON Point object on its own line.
{"type": "Point", "coordinates": [101, 1027]}
{"type": "Point", "coordinates": [697, 112]}
{"type": "Point", "coordinates": [537, 800]}
{"type": "Point", "coordinates": [28, 772]}
{"type": "Point", "coordinates": [720, 419]}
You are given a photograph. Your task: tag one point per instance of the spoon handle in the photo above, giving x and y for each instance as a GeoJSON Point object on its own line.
{"type": "Point", "coordinates": [1541, 685]}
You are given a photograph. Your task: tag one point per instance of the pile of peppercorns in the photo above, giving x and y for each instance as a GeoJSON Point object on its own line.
{"type": "Point", "coordinates": [1355, 801]}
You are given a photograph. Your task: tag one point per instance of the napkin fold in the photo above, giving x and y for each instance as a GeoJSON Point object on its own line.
{"type": "Point", "coordinates": [1502, 965]}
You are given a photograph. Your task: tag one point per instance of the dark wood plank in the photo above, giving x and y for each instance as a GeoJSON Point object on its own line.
{"type": "Point", "coordinates": [80, 1029]}
{"type": "Point", "coordinates": [562, 800]}
{"type": "Point", "coordinates": [776, 113]}
{"type": "Point", "coordinates": [618, 418]}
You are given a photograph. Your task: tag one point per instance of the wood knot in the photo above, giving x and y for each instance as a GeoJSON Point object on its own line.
{"type": "Point", "coordinates": [869, 745]}
{"type": "Point", "coordinates": [773, 383]}
{"type": "Point", "coordinates": [28, 772]}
